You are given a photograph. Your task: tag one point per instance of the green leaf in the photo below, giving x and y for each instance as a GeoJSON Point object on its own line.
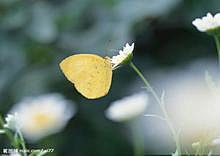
{"type": "Point", "coordinates": [16, 139]}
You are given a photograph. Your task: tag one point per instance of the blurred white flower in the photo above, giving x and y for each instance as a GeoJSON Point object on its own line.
{"type": "Point", "coordinates": [127, 108]}
{"type": "Point", "coordinates": [2, 131]}
{"type": "Point", "coordinates": [12, 121]}
{"type": "Point", "coordinates": [43, 115]}
{"type": "Point", "coordinates": [124, 56]}
{"type": "Point", "coordinates": [193, 105]}
{"type": "Point", "coordinates": [209, 22]}
{"type": "Point", "coordinates": [216, 141]}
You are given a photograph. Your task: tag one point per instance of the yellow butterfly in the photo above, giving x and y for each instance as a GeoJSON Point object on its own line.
{"type": "Point", "coordinates": [90, 74]}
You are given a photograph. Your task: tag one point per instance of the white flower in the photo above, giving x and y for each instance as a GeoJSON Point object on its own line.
{"type": "Point", "coordinates": [209, 22]}
{"type": "Point", "coordinates": [43, 115]}
{"type": "Point", "coordinates": [127, 108]}
{"type": "Point", "coordinates": [124, 55]}
{"type": "Point", "coordinates": [215, 141]}
{"type": "Point", "coordinates": [12, 122]}
{"type": "Point", "coordinates": [193, 100]}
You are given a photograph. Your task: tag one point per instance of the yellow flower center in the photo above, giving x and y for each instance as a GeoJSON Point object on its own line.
{"type": "Point", "coordinates": [41, 120]}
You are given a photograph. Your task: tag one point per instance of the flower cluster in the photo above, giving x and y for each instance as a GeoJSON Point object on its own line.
{"type": "Point", "coordinates": [124, 56]}
{"type": "Point", "coordinates": [209, 23]}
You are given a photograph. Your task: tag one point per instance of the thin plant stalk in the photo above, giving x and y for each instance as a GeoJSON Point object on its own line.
{"type": "Point", "coordinates": [22, 142]}
{"type": "Point", "coordinates": [138, 141]}
{"type": "Point", "coordinates": [162, 106]}
{"type": "Point", "coordinates": [155, 116]}
{"type": "Point", "coordinates": [1, 122]}
{"type": "Point", "coordinates": [217, 42]}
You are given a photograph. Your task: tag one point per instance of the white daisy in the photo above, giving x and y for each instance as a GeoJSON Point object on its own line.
{"type": "Point", "coordinates": [124, 56]}
{"type": "Point", "coordinates": [43, 115]}
{"type": "Point", "coordinates": [12, 121]}
{"type": "Point", "coordinates": [207, 23]}
{"type": "Point", "coordinates": [127, 108]}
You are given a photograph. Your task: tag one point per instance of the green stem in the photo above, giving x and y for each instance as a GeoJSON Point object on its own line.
{"type": "Point", "coordinates": [162, 106]}
{"type": "Point", "coordinates": [217, 42]}
{"type": "Point", "coordinates": [8, 133]}
{"type": "Point", "coordinates": [2, 122]}
{"type": "Point", "coordinates": [138, 141]}
{"type": "Point", "coordinates": [22, 143]}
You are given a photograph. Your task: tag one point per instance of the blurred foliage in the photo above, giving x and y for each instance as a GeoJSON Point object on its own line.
{"type": "Point", "coordinates": [35, 35]}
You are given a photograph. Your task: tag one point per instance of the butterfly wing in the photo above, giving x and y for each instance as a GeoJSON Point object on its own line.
{"type": "Point", "coordinates": [90, 74]}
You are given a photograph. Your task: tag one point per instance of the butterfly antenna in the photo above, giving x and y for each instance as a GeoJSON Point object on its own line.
{"type": "Point", "coordinates": [108, 51]}
{"type": "Point", "coordinates": [107, 47]}
{"type": "Point", "coordinates": [114, 51]}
